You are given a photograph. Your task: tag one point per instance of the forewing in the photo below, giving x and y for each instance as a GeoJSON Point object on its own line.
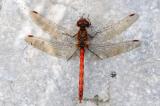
{"type": "Point", "coordinates": [58, 49]}
{"type": "Point", "coordinates": [51, 28]}
{"type": "Point", "coordinates": [110, 50]}
{"type": "Point", "coordinates": [113, 30]}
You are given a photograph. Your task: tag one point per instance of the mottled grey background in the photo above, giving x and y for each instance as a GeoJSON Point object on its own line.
{"type": "Point", "coordinates": [29, 77]}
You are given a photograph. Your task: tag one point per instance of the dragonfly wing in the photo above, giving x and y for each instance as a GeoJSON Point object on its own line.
{"type": "Point", "coordinates": [113, 30]}
{"type": "Point", "coordinates": [51, 28]}
{"type": "Point", "coordinates": [58, 49]}
{"type": "Point", "coordinates": [110, 50]}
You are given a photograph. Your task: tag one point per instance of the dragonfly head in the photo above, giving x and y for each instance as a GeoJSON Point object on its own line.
{"type": "Point", "coordinates": [83, 23]}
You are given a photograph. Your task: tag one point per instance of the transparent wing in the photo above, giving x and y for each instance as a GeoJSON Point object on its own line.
{"type": "Point", "coordinates": [112, 31]}
{"type": "Point", "coordinates": [59, 49]}
{"type": "Point", "coordinates": [110, 50]}
{"type": "Point", "coordinates": [51, 28]}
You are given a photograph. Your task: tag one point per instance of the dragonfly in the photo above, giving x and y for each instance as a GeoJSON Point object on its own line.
{"type": "Point", "coordinates": [65, 44]}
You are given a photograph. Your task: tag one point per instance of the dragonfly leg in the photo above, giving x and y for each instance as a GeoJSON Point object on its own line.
{"type": "Point", "coordinates": [91, 36]}
{"type": "Point", "coordinates": [94, 53]}
{"type": "Point", "coordinates": [72, 36]}
{"type": "Point", "coordinates": [72, 55]}
{"type": "Point", "coordinates": [95, 34]}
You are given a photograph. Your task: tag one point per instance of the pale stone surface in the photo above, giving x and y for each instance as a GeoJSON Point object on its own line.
{"type": "Point", "coordinates": [29, 77]}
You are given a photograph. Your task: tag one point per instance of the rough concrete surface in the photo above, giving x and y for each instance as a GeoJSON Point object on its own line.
{"type": "Point", "coordinates": [29, 77]}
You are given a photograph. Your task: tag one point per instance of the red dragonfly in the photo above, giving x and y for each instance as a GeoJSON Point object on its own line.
{"type": "Point", "coordinates": [65, 45]}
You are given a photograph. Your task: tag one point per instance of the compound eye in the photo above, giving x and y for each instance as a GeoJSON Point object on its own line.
{"type": "Point", "coordinates": [87, 24]}
{"type": "Point", "coordinates": [78, 23]}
